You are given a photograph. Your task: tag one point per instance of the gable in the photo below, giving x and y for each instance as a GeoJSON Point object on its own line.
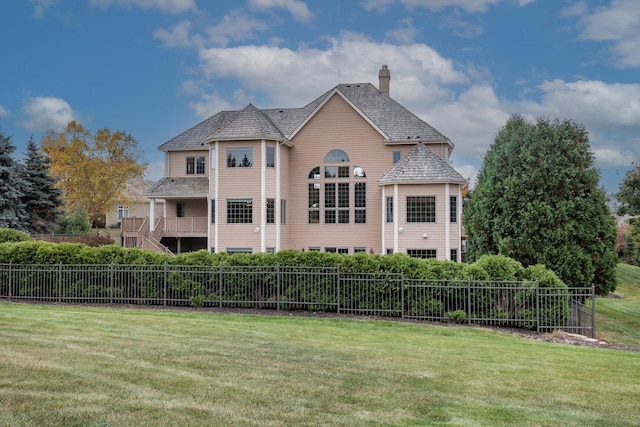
{"type": "Point", "coordinates": [336, 121]}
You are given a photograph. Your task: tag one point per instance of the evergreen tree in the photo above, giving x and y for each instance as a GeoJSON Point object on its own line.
{"type": "Point", "coordinates": [41, 198]}
{"type": "Point", "coordinates": [12, 213]}
{"type": "Point", "coordinates": [537, 200]}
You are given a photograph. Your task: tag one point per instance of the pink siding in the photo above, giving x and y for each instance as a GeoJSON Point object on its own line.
{"type": "Point", "coordinates": [335, 123]}
{"type": "Point", "coordinates": [178, 162]}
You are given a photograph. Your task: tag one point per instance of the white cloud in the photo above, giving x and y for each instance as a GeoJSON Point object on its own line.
{"type": "Point", "coordinates": [405, 32]}
{"type": "Point", "coordinates": [612, 156]}
{"type": "Point", "coordinates": [178, 36]}
{"type": "Point", "coordinates": [596, 104]}
{"type": "Point", "coordinates": [472, 120]}
{"type": "Point", "coordinates": [298, 9]}
{"type": "Point", "coordinates": [417, 70]}
{"type": "Point", "coordinates": [471, 6]}
{"type": "Point", "coordinates": [168, 6]}
{"type": "Point", "coordinates": [235, 26]}
{"type": "Point", "coordinates": [3, 112]}
{"type": "Point", "coordinates": [41, 6]}
{"type": "Point", "coordinates": [578, 8]}
{"type": "Point", "coordinates": [44, 113]}
{"type": "Point", "coordinates": [377, 5]}
{"type": "Point", "coordinates": [618, 24]}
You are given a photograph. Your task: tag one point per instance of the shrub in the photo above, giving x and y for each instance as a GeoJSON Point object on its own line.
{"type": "Point", "coordinates": [457, 316]}
{"type": "Point", "coordinates": [11, 235]}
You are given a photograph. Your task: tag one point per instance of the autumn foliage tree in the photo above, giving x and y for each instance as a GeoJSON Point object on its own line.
{"type": "Point", "coordinates": [537, 200]}
{"type": "Point", "coordinates": [92, 169]}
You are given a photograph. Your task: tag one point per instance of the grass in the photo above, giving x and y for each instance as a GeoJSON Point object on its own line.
{"type": "Point", "coordinates": [95, 366]}
{"type": "Point", "coordinates": [618, 316]}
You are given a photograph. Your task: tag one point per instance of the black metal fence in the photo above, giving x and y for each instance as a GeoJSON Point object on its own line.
{"type": "Point", "coordinates": [515, 304]}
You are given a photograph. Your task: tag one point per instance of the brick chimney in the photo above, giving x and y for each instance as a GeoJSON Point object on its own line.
{"type": "Point", "coordinates": [384, 77]}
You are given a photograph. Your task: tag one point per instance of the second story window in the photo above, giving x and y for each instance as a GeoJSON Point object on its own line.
{"type": "Point", "coordinates": [271, 157]}
{"type": "Point", "coordinates": [240, 157]}
{"type": "Point", "coordinates": [195, 165]}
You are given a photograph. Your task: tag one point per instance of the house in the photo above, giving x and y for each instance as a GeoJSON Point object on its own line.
{"type": "Point", "coordinates": [132, 203]}
{"type": "Point", "coordinates": [352, 171]}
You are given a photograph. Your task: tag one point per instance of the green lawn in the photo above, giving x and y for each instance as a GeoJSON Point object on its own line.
{"type": "Point", "coordinates": [93, 366]}
{"type": "Point", "coordinates": [618, 316]}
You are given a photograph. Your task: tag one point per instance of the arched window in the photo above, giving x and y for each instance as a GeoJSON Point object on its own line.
{"type": "Point", "coordinates": [335, 183]}
{"type": "Point", "coordinates": [336, 156]}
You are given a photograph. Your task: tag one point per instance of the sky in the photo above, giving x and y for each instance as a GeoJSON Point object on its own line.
{"type": "Point", "coordinates": [154, 68]}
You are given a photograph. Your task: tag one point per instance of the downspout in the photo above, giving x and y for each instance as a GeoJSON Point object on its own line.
{"type": "Point", "coordinates": [216, 226]}
{"type": "Point", "coordinates": [263, 194]}
{"type": "Point", "coordinates": [278, 202]}
{"type": "Point", "coordinates": [384, 219]}
{"type": "Point", "coordinates": [396, 227]}
{"type": "Point", "coordinates": [447, 222]}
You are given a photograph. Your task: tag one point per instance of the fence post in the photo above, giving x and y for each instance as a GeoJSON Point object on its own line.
{"type": "Point", "coordinates": [165, 287]}
{"type": "Point", "coordinates": [60, 281]}
{"type": "Point", "coordinates": [220, 284]}
{"type": "Point", "coordinates": [593, 311]}
{"type": "Point", "coordinates": [10, 280]}
{"type": "Point", "coordinates": [111, 281]}
{"type": "Point", "coordinates": [278, 287]}
{"type": "Point", "coordinates": [469, 300]}
{"type": "Point", "coordinates": [402, 307]}
{"type": "Point", "coordinates": [537, 306]}
{"type": "Point", "coordinates": [338, 289]}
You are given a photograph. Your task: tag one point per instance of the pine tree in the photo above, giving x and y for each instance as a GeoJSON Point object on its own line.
{"type": "Point", "coordinates": [12, 213]}
{"type": "Point", "coordinates": [537, 200]}
{"type": "Point", "coordinates": [41, 198]}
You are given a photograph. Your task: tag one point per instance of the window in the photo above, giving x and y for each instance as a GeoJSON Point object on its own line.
{"type": "Point", "coordinates": [271, 211]}
{"type": "Point", "coordinates": [359, 249]}
{"type": "Point", "coordinates": [195, 165]}
{"type": "Point", "coordinates": [343, 250]}
{"type": "Point", "coordinates": [332, 185]}
{"type": "Point", "coordinates": [332, 250]}
{"type": "Point", "coordinates": [213, 211]}
{"type": "Point", "coordinates": [239, 211]}
{"type": "Point", "coordinates": [271, 157]}
{"type": "Point", "coordinates": [454, 255]}
{"type": "Point", "coordinates": [314, 249]}
{"type": "Point", "coordinates": [389, 209]}
{"type": "Point", "coordinates": [270, 250]}
{"type": "Point", "coordinates": [421, 209]}
{"type": "Point", "coordinates": [336, 156]}
{"type": "Point", "coordinates": [180, 210]}
{"type": "Point", "coordinates": [314, 203]}
{"type": "Point", "coordinates": [360, 202]}
{"type": "Point", "coordinates": [453, 209]}
{"type": "Point", "coordinates": [239, 157]}
{"type": "Point", "coordinates": [123, 212]}
{"type": "Point", "coordinates": [422, 253]}
{"type": "Point", "coordinates": [283, 211]}
{"type": "Point", "coordinates": [396, 156]}
{"type": "Point", "coordinates": [389, 251]}
{"type": "Point", "coordinates": [232, 251]}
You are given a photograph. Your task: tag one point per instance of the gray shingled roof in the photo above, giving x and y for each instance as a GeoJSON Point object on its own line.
{"type": "Point", "coordinates": [396, 122]}
{"type": "Point", "coordinates": [392, 118]}
{"type": "Point", "coordinates": [248, 123]}
{"type": "Point", "coordinates": [194, 137]}
{"type": "Point", "coordinates": [167, 187]}
{"type": "Point", "coordinates": [421, 166]}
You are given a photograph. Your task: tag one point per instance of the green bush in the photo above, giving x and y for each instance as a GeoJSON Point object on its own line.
{"type": "Point", "coordinates": [457, 316]}
{"type": "Point", "coordinates": [11, 235]}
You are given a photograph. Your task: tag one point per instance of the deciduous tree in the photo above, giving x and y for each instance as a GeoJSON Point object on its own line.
{"type": "Point", "coordinates": [537, 200]}
{"type": "Point", "coordinates": [92, 169]}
